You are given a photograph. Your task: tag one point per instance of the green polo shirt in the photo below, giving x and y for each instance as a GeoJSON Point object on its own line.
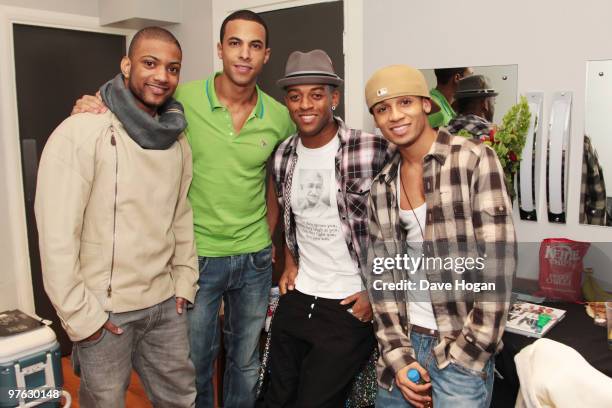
{"type": "Point", "coordinates": [446, 112]}
{"type": "Point", "coordinates": [228, 189]}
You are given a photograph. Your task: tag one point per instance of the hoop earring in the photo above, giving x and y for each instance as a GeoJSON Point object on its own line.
{"type": "Point", "coordinates": [333, 107]}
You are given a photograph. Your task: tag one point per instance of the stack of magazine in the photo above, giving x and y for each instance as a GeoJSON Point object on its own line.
{"type": "Point", "coordinates": [15, 322]}
{"type": "Point", "coordinates": [532, 320]}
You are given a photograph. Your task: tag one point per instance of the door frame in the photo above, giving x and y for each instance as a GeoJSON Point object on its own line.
{"type": "Point", "coordinates": [354, 102]}
{"type": "Point", "coordinates": [10, 150]}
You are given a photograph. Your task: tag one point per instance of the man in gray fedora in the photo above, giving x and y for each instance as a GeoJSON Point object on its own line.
{"type": "Point", "coordinates": [322, 331]}
{"type": "Point", "coordinates": [475, 105]}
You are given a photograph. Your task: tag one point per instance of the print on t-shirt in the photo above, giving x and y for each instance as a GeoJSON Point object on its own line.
{"type": "Point", "coordinates": [313, 193]}
{"type": "Point", "coordinates": [315, 206]}
{"type": "Point", "coordinates": [325, 266]}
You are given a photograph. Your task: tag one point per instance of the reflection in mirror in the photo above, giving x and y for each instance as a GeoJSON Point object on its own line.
{"type": "Point", "coordinates": [526, 173]}
{"type": "Point", "coordinates": [472, 102]}
{"type": "Point", "coordinates": [595, 203]}
{"type": "Point", "coordinates": [558, 140]}
{"type": "Point", "coordinates": [502, 79]}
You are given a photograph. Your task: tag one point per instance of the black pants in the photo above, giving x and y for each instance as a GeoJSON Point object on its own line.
{"type": "Point", "coordinates": [317, 348]}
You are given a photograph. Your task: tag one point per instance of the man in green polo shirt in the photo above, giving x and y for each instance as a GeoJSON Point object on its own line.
{"type": "Point", "coordinates": [443, 94]}
{"type": "Point", "coordinates": [228, 196]}
{"type": "Point", "coordinates": [233, 127]}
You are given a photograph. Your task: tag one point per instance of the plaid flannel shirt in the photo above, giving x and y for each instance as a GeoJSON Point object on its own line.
{"type": "Point", "coordinates": [478, 127]}
{"type": "Point", "coordinates": [359, 158]}
{"type": "Point", "coordinates": [593, 188]}
{"type": "Point", "coordinates": [467, 207]}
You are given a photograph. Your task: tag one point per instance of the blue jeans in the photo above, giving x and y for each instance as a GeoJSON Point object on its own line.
{"type": "Point", "coordinates": [243, 281]}
{"type": "Point", "coordinates": [453, 386]}
{"type": "Point", "coordinates": [154, 343]}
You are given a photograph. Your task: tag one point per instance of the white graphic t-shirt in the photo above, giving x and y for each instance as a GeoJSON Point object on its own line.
{"type": "Point", "coordinates": [325, 265]}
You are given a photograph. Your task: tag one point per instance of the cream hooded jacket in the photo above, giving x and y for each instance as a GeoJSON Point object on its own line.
{"type": "Point", "coordinates": [115, 226]}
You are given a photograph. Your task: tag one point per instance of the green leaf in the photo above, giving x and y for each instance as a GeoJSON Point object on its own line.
{"type": "Point", "coordinates": [511, 136]}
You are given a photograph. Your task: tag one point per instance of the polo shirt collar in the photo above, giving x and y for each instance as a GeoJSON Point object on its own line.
{"type": "Point", "coordinates": [214, 102]}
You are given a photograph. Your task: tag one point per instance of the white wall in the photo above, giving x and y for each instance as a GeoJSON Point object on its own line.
{"type": "Point", "coordinates": [8, 296]}
{"type": "Point", "coordinates": [194, 34]}
{"type": "Point", "coordinates": [82, 7]}
{"type": "Point", "coordinates": [549, 40]}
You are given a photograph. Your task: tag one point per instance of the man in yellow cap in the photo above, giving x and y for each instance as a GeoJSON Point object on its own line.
{"type": "Point", "coordinates": [441, 253]}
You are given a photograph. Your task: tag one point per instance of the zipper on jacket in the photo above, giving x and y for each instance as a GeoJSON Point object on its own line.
{"type": "Point", "coordinates": [114, 144]}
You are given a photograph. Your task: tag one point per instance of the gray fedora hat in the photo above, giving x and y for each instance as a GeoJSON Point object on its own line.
{"type": "Point", "coordinates": [474, 86]}
{"type": "Point", "coordinates": [312, 67]}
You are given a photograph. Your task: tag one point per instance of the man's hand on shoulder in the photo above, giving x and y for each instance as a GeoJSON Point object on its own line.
{"type": "Point", "coordinates": [89, 104]}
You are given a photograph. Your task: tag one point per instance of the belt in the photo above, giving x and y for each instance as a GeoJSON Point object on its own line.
{"type": "Point", "coordinates": [423, 330]}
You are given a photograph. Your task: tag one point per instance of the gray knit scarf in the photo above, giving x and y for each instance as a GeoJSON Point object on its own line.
{"type": "Point", "coordinates": [148, 132]}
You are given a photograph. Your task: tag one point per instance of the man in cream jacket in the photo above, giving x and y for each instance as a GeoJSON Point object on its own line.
{"type": "Point", "coordinates": [116, 232]}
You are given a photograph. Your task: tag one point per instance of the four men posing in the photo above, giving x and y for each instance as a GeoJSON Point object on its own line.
{"type": "Point", "coordinates": [437, 187]}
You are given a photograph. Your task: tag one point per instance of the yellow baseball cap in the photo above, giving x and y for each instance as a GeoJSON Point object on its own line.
{"type": "Point", "coordinates": [395, 80]}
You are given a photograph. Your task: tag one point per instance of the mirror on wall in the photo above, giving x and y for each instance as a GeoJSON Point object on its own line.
{"type": "Point", "coordinates": [473, 101]}
{"type": "Point", "coordinates": [559, 127]}
{"type": "Point", "coordinates": [595, 201]}
{"type": "Point", "coordinates": [526, 182]}
{"type": "Point", "coordinates": [502, 79]}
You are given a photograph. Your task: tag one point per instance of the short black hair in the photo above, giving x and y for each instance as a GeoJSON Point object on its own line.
{"type": "Point", "coordinates": [247, 15]}
{"type": "Point", "coordinates": [154, 32]}
{"type": "Point", "coordinates": [443, 75]}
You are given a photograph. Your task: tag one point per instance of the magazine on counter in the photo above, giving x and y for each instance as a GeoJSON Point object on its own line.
{"type": "Point", "coordinates": [532, 320]}
{"type": "Point", "coordinates": [15, 321]}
